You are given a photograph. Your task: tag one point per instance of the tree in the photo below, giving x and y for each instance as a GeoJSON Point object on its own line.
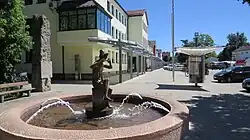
{"type": "Point", "coordinates": [14, 38]}
{"type": "Point", "coordinates": [212, 54]}
{"type": "Point", "coordinates": [166, 58]}
{"type": "Point", "coordinates": [203, 41]}
{"type": "Point", "coordinates": [235, 40]}
{"type": "Point", "coordinates": [245, 1]}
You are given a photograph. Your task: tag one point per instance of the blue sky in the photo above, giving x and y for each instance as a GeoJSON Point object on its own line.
{"type": "Point", "coordinates": [217, 18]}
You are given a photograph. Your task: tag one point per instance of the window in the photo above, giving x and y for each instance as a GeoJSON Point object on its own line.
{"type": "Point", "coordinates": [113, 56]}
{"type": "Point", "coordinates": [122, 36]}
{"type": "Point", "coordinates": [122, 59]}
{"type": "Point", "coordinates": [72, 20]}
{"type": "Point", "coordinates": [112, 10]}
{"type": "Point", "coordinates": [125, 21]}
{"type": "Point", "coordinates": [116, 57]}
{"type": "Point", "coordinates": [122, 19]}
{"type": "Point", "coordinates": [119, 16]}
{"type": "Point", "coordinates": [99, 19]}
{"type": "Point", "coordinates": [82, 21]}
{"type": "Point", "coordinates": [28, 56]}
{"type": "Point", "coordinates": [108, 6]}
{"type": "Point", "coordinates": [109, 26]}
{"type": "Point", "coordinates": [112, 32]}
{"type": "Point", "coordinates": [91, 18]}
{"type": "Point", "coordinates": [116, 13]}
{"type": "Point", "coordinates": [64, 20]}
{"type": "Point", "coordinates": [29, 23]}
{"type": "Point", "coordinates": [28, 2]}
{"type": "Point", "coordinates": [119, 35]}
{"type": "Point", "coordinates": [78, 19]}
{"type": "Point", "coordinates": [104, 22]}
{"type": "Point", "coordinates": [116, 33]}
{"type": "Point", "coordinates": [41, 1]}
{"type": "Point", "coordinates": [125, 59]}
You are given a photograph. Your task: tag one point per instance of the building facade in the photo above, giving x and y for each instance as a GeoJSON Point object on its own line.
{"type": "Point", "coordinates": [72, 22]}
{"type": "Point", "coordinates": [159, 53]}
{"type": "Point", "coordinates": [241, 53]}
{"type": "Point", "coordinates": [152, 45]}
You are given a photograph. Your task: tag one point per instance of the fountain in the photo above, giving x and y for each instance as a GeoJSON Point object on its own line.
{"type": "Point", "coordinates": [101, 115]}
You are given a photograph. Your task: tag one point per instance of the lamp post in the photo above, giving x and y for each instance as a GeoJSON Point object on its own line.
{"type": "Point", "coordinates": [196, 35]}
{"type": "Point", "coordinates": [172, 15]}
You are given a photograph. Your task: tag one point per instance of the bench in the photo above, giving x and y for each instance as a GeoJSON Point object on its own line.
{"type": "Point", "coordinates": [14, 88]}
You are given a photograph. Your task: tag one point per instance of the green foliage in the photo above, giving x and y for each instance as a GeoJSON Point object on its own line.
{"type": "Point", "coordinates": [235, 40]}
{"type": "Point", "coordinates": [166, 58]}
{"type": "Point", "coordinates": [14, 39]}
{"type": "Point", "coordinates": [245, 1]}
{"type": "Point", "coordinates": [212, 54]}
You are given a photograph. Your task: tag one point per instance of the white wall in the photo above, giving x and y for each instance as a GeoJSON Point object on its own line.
{"type": "Point", "coordinates": [135, 29]}
{"type": "Point", "coordinates": [145, 34]}
{"type": "Point", "coordinates": [242, 55]}
{"type": "Point", "coordinates": [115, 22]}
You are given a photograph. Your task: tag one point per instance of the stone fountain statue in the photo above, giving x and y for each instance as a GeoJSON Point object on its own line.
{"type": "Point", "coordinates": [100, 92]}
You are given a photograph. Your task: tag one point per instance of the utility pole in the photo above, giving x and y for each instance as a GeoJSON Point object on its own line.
{"type": "Point", "coordinates": [172, 15]}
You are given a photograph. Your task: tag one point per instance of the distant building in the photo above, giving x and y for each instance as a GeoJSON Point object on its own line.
{"type": "Point", "coordinates": [241, 54]}
{"type": "Point", "coordinates": [159, 53]}
{"type": "Point", "coordinates": [152, 45]}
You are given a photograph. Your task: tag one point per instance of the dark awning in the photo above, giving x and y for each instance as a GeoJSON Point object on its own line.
{"type": "Point", "coordinates": [75, 4]}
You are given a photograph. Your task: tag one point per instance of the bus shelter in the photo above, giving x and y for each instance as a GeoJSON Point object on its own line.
{"type": "Point", "coordinates": [196, 62]}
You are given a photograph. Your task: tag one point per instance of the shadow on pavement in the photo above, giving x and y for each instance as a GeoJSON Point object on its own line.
{"type": "Point", "coordinates": [219, 117]}
{"type": "Point", "coordinates": [180, 87]}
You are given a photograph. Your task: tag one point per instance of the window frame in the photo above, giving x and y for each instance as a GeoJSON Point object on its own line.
{"type": "Point", "coordinates": [94, 13]}
{"type": "Point", "coordinates": [28, 2]}
{"type": "Point", "coordinates": [41, 1]}
{"type": "Point", "coordinates": [112, 10]}
{"type": "Point", "coordinates": [108, 6]}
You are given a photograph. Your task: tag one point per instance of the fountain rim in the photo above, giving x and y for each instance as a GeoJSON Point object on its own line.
{"type": "Point", "coordinates": [12, 124]}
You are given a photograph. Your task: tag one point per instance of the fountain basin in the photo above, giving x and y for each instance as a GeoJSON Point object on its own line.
{"type": "Point", "coordinates": [171, 126]}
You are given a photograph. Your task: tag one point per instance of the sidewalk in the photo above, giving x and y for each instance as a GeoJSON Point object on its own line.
{"type": "Point", "coordinates": [218, 111]}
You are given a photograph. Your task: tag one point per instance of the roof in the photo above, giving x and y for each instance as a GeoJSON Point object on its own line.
{"type": "Point", "coordinates": [75, 4]}
{"type": "Point", "coordinates": [134, 13]}
{"type": "Point", "coordinates": [243, 48]}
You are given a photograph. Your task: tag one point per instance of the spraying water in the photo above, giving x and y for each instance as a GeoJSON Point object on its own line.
{"type": "Point", "coordinates": [147, 105]}
{"type": "Point", "coordinates": [117, 109]}
{"type": "Point", "coordinates": [55, 98]}
{"type": "Point", "coordinates": [60, 102]}
{"type": "Point", "coordinates": [127, 97]}
{"type": "Point", "coordinates": [116, 112]}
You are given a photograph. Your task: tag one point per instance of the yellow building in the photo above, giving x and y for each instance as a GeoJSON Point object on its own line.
{"type": "Point", "coordinates": [72, 22]}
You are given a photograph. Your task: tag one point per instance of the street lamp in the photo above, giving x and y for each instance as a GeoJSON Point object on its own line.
{"type": "Point", "coordinates": [196, 35]}
{"type": "Point", "coordinates": [173, 48]}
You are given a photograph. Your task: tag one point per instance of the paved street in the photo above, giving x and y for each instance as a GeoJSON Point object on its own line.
{"type": "Point", "coordinates": [219, 111]}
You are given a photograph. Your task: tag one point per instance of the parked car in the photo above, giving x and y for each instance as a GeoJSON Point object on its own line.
{"type": "Point", "coordinates": [246, 84]}
{"type": "Point", "coordinates": [231, 74]}
{"type": "Point", "coordinates": [167, 67]}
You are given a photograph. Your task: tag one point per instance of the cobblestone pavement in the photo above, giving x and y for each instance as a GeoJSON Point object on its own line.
{"type": "Point", "coordinates": [218, 111]}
